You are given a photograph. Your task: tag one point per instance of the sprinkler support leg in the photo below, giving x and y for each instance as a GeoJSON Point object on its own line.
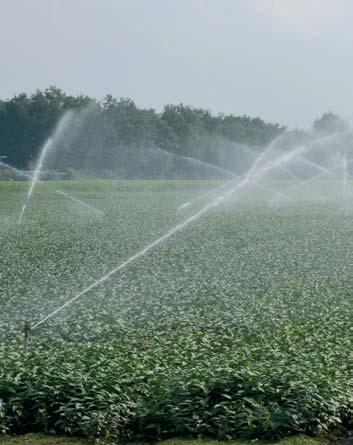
{"type": "Point", "coordinates": [26, 330]}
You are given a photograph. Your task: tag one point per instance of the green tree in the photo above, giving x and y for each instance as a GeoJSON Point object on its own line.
{"type": "Point", "coordinates": [329, 123]}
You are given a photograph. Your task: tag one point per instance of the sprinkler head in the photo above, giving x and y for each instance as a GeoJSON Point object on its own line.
{"type": "Point", "coordinates": [27, 328]}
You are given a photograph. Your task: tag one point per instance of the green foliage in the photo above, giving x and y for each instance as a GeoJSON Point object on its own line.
{"type": "Point", "coordinates": [240, 327]}
{"type": "Point", "coordinates": [116, 127]}
{"type": "Point", "coordinates": [329, 123]}
{"type": "Point", "coordinates": [69, 174]}
{"type": "Point", "coordinates": [26, 122]}
{"type": "Point", "coordinates": [42, 439]}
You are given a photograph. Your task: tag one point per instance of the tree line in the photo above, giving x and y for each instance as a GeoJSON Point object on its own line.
{"type": "Point", "coordinates": [26, 121]}
{"type": "Point", "coordinates": [111, 134]}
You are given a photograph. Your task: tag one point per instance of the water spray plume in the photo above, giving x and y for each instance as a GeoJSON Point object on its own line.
{"type": "Point", "coordinates": [260, 186]}
{"type": "Point", "coordinates": [317, 166]}
{"type": "Point", "coordinates": [236, 179]}
{"type": "Point", "coordinates": [246, 175]}
{"type": "Point", "coordinates": [299, 180]}
{"type": "Point", "coordinates": [21, 214]}
{"type": "Point", "coordinates": [254, 173]}
{"type": "Point", "coordinates": [209, 192]}
{"type": "Point", "coordinates": [317, 176]}
{"type": "Point", "coordinates": [147, 249]}
{"type": "Point", "coordinates": [219, 169]}
{"type": "Point", "coordinates": [15, 170]}
{"type": "Point", "coordinates": [35, 177]}
{"type": "Point", "coordinates": [42, 156]}
{"type": "Point", "coordinates": [345, 176]}
{"type": "Point", "coordinates": [191, 160]}
{"type": "Point", "coordinates": [84, 204]}
{"type": "Point", "coordinates": [282, 160]}
{"type": "Point", "coordinates": [184, 206]}
{"type": "Point", "coordinates": [143, 252]}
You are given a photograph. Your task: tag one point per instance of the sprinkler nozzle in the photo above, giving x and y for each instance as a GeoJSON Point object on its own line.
{"type": "Point", "coordinates": [26, 330]}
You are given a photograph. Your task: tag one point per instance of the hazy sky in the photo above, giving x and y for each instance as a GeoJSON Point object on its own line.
{"type": "Point", "coordinates": [283, 60]}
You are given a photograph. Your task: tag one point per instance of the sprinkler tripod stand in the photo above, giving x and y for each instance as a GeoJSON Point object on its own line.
{"type": "Point", "coordinates": [26, 330]}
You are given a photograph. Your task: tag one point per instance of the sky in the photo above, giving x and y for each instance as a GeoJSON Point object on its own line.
{"type": "Point", "coordinates": [286, 61]}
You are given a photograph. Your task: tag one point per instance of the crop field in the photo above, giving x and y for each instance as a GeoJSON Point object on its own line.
{"type": "Point", "coordinates": [238, 326]}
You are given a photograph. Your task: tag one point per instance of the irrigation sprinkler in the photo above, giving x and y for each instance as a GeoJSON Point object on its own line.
{"type": "Point", "coordinates": [1, 165]}
{"type": "Point", "coordinates": [254, 173]}
{"type": "Point", "coordinates": [214, 203]}
{"type": "Point", "coordinates": [27, 331]}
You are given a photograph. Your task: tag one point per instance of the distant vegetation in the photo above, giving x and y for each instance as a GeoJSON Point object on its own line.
{"type": "Point", "coordinates": [113, 138]}
{"type": "Point", "coordinates": [118, 124]}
